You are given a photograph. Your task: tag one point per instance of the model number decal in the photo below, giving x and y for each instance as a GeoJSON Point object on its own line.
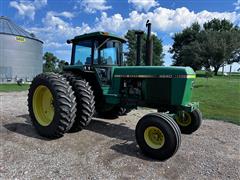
{"type": "Point", "coordinates": [20, 39]}
{"type": "Point", "coordinates": [189, 76]}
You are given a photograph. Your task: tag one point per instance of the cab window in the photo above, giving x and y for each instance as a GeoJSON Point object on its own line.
{"type": "Point", "coordinates": [83, 51]}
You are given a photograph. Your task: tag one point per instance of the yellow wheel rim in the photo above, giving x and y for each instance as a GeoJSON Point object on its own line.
{"type": "Point", "coordinates": [154, 137]}
{"type": "Point", "coordinates": [43, 105]}
{"type": "Point", "coordinates": [183, 119]}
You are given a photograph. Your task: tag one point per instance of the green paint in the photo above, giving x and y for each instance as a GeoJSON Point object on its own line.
{"type": "Point", "coordinates": [160, 85]}
{"type": "Point", "coordinates": [166, 90]}
{"type": "Point", "coordinates": [169, 87]}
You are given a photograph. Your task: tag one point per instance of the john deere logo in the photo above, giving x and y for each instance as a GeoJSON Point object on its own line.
{"type": "Point", "coordinates": [20, 39]}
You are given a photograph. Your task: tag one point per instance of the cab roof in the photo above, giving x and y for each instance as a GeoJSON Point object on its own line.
{"type": "Point", "coordinates": [98, 35]}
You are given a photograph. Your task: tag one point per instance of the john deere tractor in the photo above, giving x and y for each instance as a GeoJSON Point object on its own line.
{"type": "Point", "coordinates": [97, 82]}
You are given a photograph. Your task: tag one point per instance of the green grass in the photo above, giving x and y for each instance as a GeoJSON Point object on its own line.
{"type": "Point", "coordinates": [219, 98]}
{"type": "Point", "coordinates": [13, 87]}
{"type": "Point", "coordinates": [202, 73]}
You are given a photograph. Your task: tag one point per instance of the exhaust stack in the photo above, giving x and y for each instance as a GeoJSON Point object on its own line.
{"type": "Point", "coordinates": [149, 45]}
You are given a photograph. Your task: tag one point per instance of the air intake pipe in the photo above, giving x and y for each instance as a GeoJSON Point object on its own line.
{"type": "Point", "coordinates": [149, 45]}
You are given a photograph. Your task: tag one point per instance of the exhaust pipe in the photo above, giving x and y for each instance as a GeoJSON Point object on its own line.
{"type": "Point", "coordinates": [149, 45]}
{"type": "Point", "coordinates": [139, 44]}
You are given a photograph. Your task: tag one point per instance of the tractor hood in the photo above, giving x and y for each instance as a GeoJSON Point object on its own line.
{"type": "Point", "coordinates": [159, 84]}
{"type": "Point", "coordinates": [153, 72]}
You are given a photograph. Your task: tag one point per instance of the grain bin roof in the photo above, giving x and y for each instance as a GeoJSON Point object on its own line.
{"type": "Point", "coordinates": [10, 28]}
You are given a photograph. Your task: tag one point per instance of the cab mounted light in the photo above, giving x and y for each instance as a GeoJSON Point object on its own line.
{"type": "Point", "coordinates": [105, 33]}
{"type": "Point", "coordinates": [69, 41]}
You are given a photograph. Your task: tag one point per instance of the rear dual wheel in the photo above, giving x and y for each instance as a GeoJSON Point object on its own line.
{"type": "Point", "coordinates": [51, 104]}
{"type": "Point", "coordinates": [85, 101]}
{"type": "Point", "coordinates": [158, 136]}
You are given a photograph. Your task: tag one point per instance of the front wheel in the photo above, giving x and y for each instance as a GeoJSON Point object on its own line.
{"type": "Point", "coordinates": [189, 122]}
{"type": "Point", "coordinates": [158, 136]}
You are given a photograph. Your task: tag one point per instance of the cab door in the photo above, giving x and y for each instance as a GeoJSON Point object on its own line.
{"type": "Point", "coordinates": [105, 58]}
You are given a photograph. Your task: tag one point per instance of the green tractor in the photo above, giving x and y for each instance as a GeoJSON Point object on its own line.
{"type": "Point", "coordinates": [96, 82]}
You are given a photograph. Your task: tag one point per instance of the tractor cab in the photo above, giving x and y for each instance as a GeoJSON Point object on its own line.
{"type": "Point", "coordinates": [98, 51]}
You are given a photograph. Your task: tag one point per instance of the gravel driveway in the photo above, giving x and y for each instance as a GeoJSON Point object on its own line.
{"type": "Point", "coordinates": [107, 150]}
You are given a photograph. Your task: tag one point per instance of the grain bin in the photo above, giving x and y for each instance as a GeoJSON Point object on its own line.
{"type": "Point", "coordinates": [20, 53]}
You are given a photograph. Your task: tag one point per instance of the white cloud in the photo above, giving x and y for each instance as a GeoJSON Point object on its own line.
{"type": "Point", "coordinates": [65, 14]}
{"type": "Point", "coordinates": [27, 8]}
{"type": "Point", "coordinates": [143, 4]}
{"type": "Point", "coordinates": [114, 23]}
{"type": "Point", "coordinates": [40, 3]}
{"type": "Point", "coordinates": [56, 45]}
{"type": "Point", "coordinates": [169, 21]}
{"type": "Point", "coordinates": [56, 29]}
{"type": "Point", "coordinates": [91, 6]}
{"type": "Point", "coordinates": [163, 20]}
{"type": "Point", "coordinates": [237, 5]}
{"type": "Point", "coordinates": [166, 48]}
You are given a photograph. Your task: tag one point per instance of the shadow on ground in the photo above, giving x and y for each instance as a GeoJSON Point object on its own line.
{"type": "Point", "coordinates": [25, 128]}
{"type": "Point", "coordinates": [128, 146]}
{"type": "Point", "coordinates": [118, 131]}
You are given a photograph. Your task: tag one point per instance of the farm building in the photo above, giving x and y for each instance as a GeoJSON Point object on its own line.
{"type": "Point", "coordinates": [20, 53]}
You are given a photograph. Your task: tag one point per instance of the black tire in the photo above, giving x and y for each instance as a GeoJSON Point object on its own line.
{"type": "Point", "coordinates": [63, 101]}
{"type": "Point", "coordinates": [169, 129]}
{"type": "Point", "coordinates": [114, 113]}
{"type": "Point", "coordinates": [195, 122]}
{"type": "Point", "coordinates": [85, 101]}
{"type": "Point", "coordinates": [123, 111]}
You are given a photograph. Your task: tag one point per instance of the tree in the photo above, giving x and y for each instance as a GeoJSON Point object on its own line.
{"type": "Point", "coordinates": [181, 40]}
{"type": "Point", "coordinates": [60, 65]}
{"type": "Point", "coordinates": [49, 62]}
{"type": "Point", "coordinates": [52, 63]}
{"type": "Point", "coordinates": [131, 55]}
{"type": "Point", "coordinates": [132, 49]}
{"type": "Point", "coordinates": [218, 43]}
{"type": "Point", "coordinates": [157, 51]}
{"type": "Point", "coordinates": [191, 55]}
{"type": "Point", "coordinates": [221, 43]}
{"type": "Point", "coordinates": [219, 25]}
{"type": "Point", "coordinates": [219, 48]}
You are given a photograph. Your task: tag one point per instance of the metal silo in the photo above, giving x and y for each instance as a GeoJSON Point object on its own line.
{"type": "Point", "coordinates": [20, 53]}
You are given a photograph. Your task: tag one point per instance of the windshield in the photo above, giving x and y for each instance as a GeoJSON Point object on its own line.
{"type": "Point", "coordinates": [107, 52]}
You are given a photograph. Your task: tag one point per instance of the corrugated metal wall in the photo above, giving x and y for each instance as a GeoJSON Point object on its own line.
{"type": "Point", "coordinates": [20, 58]}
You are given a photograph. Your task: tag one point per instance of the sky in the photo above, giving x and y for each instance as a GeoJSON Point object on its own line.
{"type": "Point", "coordinates": [55, 21]}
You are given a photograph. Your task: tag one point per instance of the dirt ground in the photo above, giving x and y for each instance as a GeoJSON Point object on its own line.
{"type": "Point", "coordinates": [107, 150]}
